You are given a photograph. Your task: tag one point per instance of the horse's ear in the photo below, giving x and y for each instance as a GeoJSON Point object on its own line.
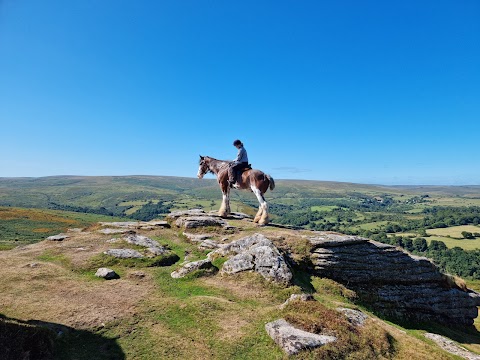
{"type": "Point", "coordinates": [201, 157]}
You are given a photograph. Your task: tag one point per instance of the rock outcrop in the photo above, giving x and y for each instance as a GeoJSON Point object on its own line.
{"type": "Point", "coordinates": [255, 253]}
{"type": "Point", "coordinates": [392, 281]}
{"type": "Point", "coordinates": [293, 340]}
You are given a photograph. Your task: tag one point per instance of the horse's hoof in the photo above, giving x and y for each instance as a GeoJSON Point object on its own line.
{"type": "Point", "coordinates": [263, 222]}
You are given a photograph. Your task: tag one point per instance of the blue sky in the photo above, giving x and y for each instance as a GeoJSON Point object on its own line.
{"type": "Point", "coordinates": [361, 91]}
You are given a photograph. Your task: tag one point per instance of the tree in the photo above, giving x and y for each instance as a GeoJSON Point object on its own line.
{"type": "Point", "coordinates": [467, 235]}
{"type": "Point", "coordinates": [420, 245]}
{"type": "Point", "coordinates": [436, 245]}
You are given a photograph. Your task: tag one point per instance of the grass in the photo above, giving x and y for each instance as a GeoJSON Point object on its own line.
{"type": "Point", "coordinates": [451, 243]}
{"type": "Point", "coordinates": [454, 231]}
{"type": "Point", "coordinates": [323, 208]}
{"type": "Point", "coordinates": [204, 315]}
{"type": "Point", "coordinates": [21, 226]}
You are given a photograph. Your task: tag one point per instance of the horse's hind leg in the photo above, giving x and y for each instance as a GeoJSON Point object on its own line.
{"type": "Point", "coordinates": [262, 215]}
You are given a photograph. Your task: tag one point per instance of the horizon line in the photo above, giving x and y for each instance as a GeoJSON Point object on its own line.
{"type": "Point", "coordinates": [280, 179]}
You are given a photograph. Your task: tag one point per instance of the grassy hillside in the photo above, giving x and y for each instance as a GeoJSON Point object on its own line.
{"type": "Point", "coordinates": [22, 226]}
{"type": "Point", "coordinates": [147, 314]}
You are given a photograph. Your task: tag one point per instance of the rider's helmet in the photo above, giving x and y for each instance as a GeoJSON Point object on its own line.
{"type": "Point", "coordinates": [237, 142]}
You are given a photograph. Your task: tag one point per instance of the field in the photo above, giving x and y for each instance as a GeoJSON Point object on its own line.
{"type": "Point", "coordinates": [454, 231]}
{"type": "Point", "coordinates": [23, 226]}
{"type": "Point", "coordinates": [451, 243]}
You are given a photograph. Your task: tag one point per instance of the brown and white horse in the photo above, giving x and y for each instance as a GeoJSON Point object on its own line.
{"type": "Point", "coordinates": [254, 180]}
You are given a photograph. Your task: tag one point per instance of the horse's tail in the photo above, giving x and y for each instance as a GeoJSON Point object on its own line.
{"type": "Point", "coordinates": [271, 181]}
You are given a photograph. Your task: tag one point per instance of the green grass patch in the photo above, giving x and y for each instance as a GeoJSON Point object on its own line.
{"type": "Point", "coordinates": [103, 260]}
{"type": "Point", "coordinates": [451, 243]}
{"type": "Point", "coordinates": [55, 257]}
{"type": "Point", "coordinates": [454, 231]}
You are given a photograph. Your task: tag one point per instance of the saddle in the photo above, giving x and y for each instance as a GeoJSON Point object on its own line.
{"type": "Point", "coordinates": [239, 172]}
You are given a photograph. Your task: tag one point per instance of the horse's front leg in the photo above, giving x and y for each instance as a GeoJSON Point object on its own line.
{"type": "Point", "coordinates": [225, 208]}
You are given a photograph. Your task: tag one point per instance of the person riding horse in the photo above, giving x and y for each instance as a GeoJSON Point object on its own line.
{"type": "Point", "coordinates": [240, 163]}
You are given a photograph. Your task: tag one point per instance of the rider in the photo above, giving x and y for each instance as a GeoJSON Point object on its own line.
{"type": "Point", "coordinates": [240, 162]}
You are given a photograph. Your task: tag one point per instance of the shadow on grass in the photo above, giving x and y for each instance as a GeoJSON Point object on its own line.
{"type": "Point", "coordinates": [39, 340]}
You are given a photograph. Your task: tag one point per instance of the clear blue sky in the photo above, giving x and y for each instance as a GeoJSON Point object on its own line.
{"type": "Point", "coordinates": [360, 91]}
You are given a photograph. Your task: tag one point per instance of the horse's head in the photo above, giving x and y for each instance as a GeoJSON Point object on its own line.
{"type": "Point", "coordinates": [203, 167]}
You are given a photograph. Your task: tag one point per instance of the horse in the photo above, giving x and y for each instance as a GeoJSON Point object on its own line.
{"type": "Point", "coordinates": [254, 180]}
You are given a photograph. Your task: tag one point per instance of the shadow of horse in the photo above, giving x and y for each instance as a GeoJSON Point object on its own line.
{"type": "Point", "coordinates": [40, 340]}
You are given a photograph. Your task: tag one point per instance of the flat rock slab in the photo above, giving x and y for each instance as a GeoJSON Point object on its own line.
{"type": "Point", "coordinates": [355, 317]}
{"type": "Point", "coordinates": [183, 213]}
{"type": "Point", "coordinates": [120, 224]}
{"type": "Point", "coordinates": [124, 253]}
{"type": "Point", "coordinates": [106, 273]}
{"type": "Point", "coordinates": [193, 222]}
{"type": "Point", "coordinates": [233, 215]}
{"type": "Point", "coordinates": [145, 225]}
{"type": "Point", "coordinates": [257, 253]}
{"type": "Point", "coordinates": [59, 237]}
{"type": "Point", "coordinates": [452, 347]}
{"type": "Point", "coordinates": [191, 267]}
{"type": "Point", "coordinates": [293, 340]}
{"type": "Point", "coordinates": [327, 239]}
{"type": "Point", "coordinates": [158, 223]}
{"type": "Point", "coordinates": [110, 231]}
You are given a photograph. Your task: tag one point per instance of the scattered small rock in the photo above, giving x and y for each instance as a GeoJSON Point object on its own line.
{"type": "Point", "coordinates": [191, 267]}
{"type": "Point", "coordinates": [297, 297]}
{"type": "Point", "coordinates": [59, 237]}
{"type": "Point", "coordinates": [75, 230]}
{"type": "Point", "coordinates": [153, 246]}
{"type": "Point", "coordinates": [124, 253]}
{"type": "Point", "coordinates": [355, 317]}
{"type": "Point", "coordinates": [114, 240]}
{"type": "Point", "coordinates": [106, 273]}
{"type": "Point", "coordinates": [451, 347]}
{"type": "Point", "coordinates": [293, 340]}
